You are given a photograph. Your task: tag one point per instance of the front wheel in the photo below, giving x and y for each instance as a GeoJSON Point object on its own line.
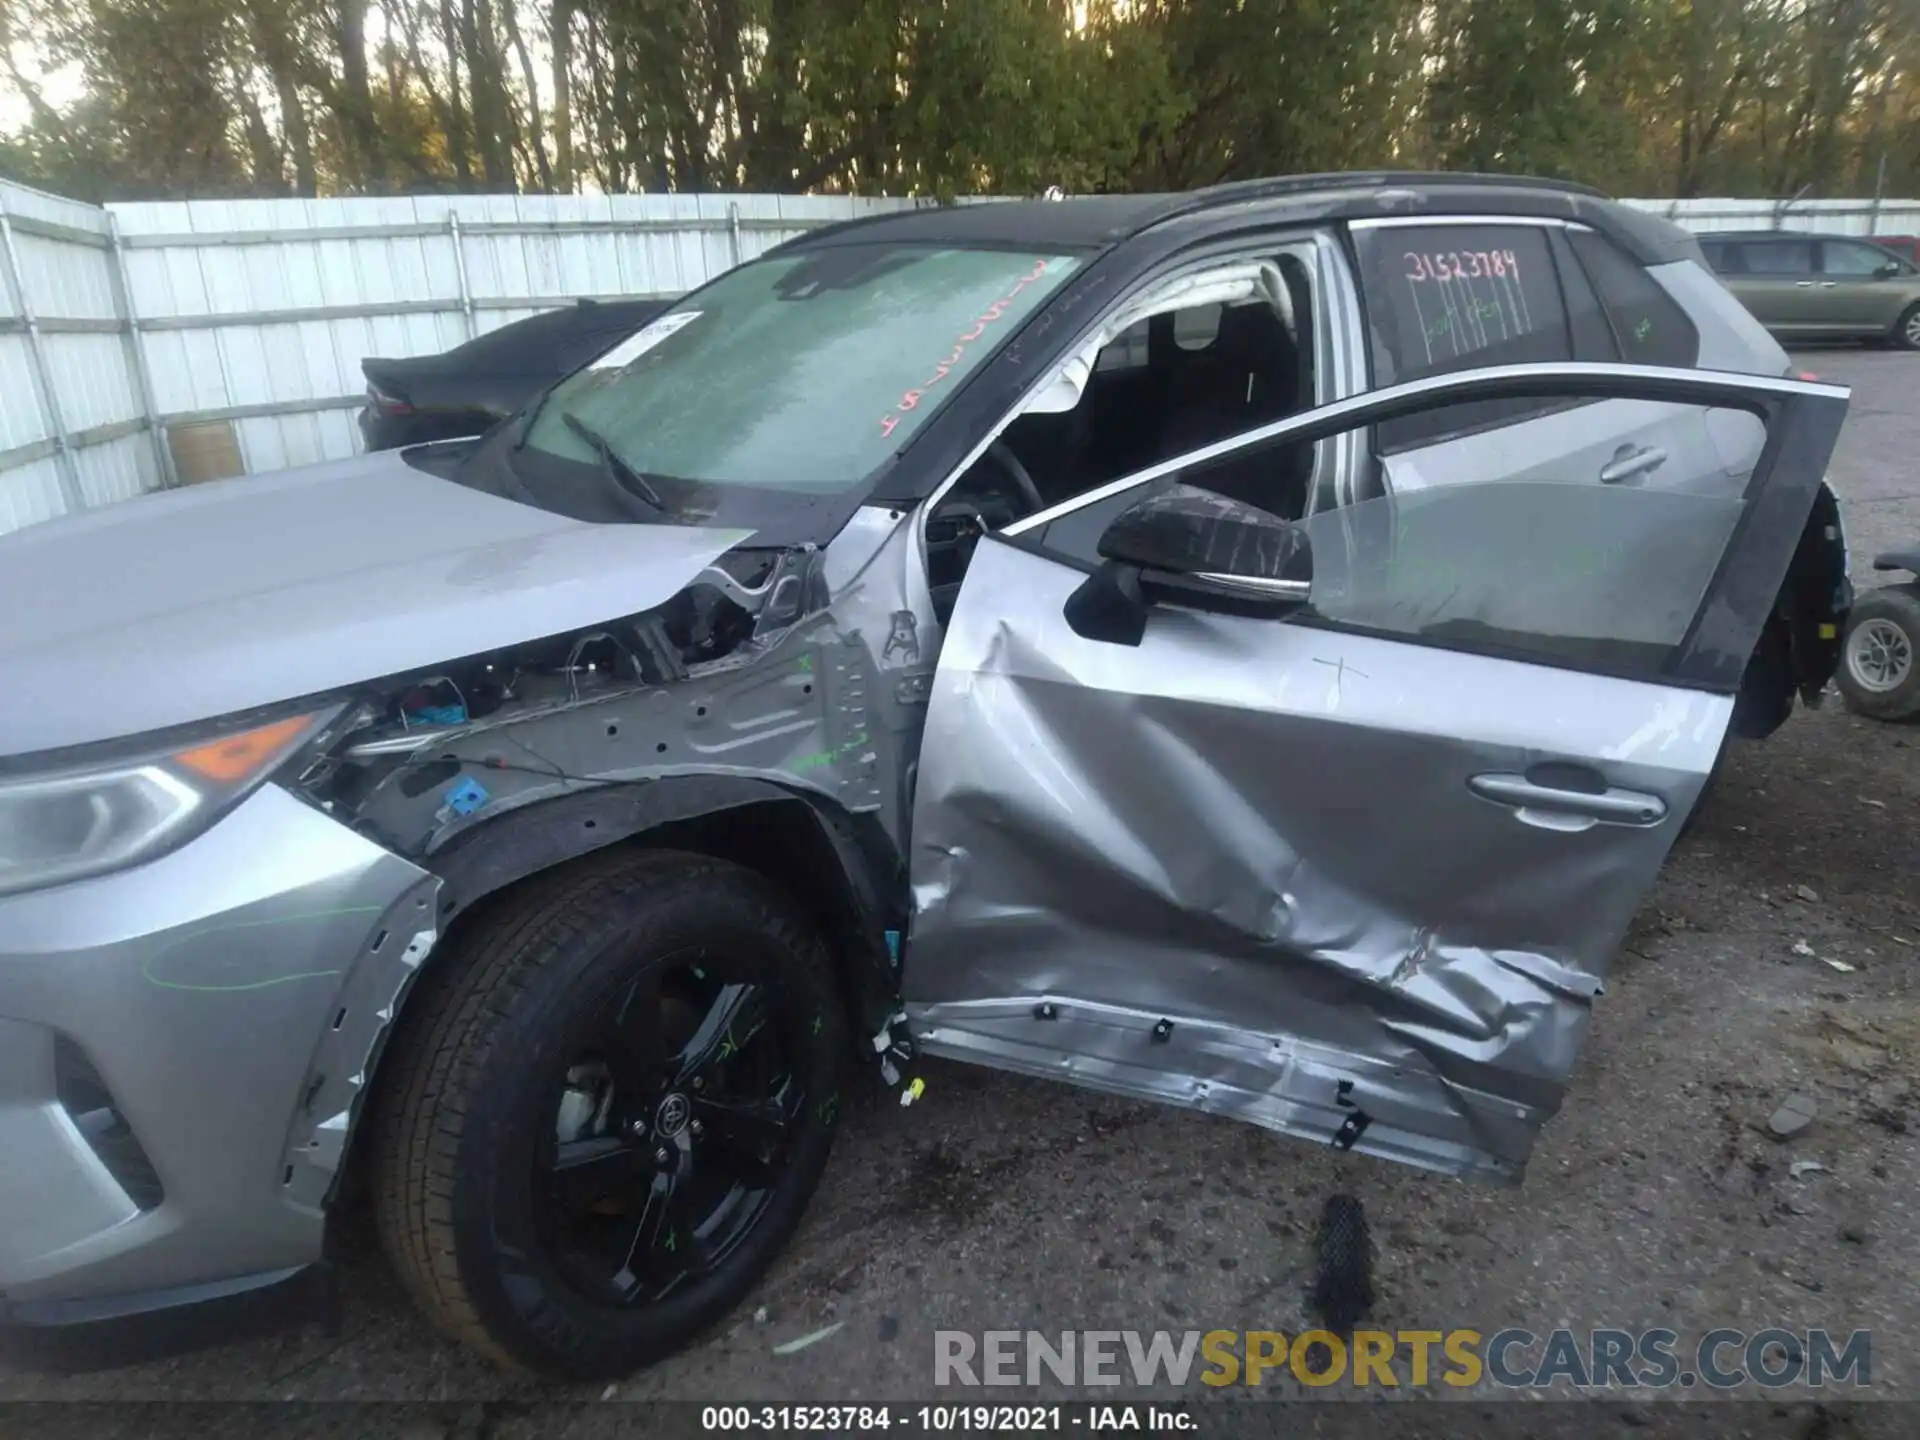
{"type": "Point", "coordinates": [1880, 657]}
{"type": "Point", "coordinates": [612, 1104]}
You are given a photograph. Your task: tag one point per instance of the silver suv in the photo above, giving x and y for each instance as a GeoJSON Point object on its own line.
{"type": "Point", "coordinates": [1249, 649]}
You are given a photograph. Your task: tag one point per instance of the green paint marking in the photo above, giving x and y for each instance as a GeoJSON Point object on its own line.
{"type": "Point", "coordinates": [147, 969]}
{"type": "Point", "coordinates": [804, 664]}
{"type": "Point", "coordinates": [818, 1021]}
{"type": "Point", "coordinates": [673, 1240]}
{"type": "Point", "coordinates": [818, 758]}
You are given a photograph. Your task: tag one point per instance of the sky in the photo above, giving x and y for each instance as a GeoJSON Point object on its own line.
{"type": "Point", "coordinates": [60, 85]}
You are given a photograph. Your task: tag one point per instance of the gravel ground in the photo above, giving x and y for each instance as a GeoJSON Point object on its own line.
{"type": "Point", "coordinates": [1655, 1199]}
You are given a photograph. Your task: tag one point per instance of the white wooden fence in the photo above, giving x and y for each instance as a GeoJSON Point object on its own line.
{"type": "Point", "coordinates": [120, 326]}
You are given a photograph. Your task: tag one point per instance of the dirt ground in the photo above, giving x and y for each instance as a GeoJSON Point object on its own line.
{"type": "Point", "coordinates": [1779, 954]}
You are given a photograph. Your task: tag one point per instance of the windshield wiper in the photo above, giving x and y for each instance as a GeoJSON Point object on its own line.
{"type": "Point", "coordinates": [532, 413]}
{"type": "Point", "coordinates": [617, 470]}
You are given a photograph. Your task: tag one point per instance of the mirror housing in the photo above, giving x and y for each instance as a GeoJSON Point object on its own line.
{"type": "Point", "coordinates": [1892, 270]}
{"type": "Point", "coordinates": [1191, 547]}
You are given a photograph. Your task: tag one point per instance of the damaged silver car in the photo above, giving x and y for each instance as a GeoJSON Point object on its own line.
{"type": "Point", "coordinates": [1251, 649]}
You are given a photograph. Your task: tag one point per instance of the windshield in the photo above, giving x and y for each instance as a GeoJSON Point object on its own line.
{"type": "Point", "coordinates": [798, 374]}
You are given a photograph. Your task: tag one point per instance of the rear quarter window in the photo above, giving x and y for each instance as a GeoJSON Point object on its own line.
{"type": "Point", "coordinates": [1443, 298]}
{"type": "Point", "coordinates": [1648, 323]}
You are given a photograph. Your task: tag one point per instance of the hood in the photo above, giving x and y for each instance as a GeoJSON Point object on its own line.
{"type": "Point", "coordinates": [192, 604]}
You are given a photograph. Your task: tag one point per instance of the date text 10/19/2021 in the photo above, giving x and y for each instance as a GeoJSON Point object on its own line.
{"type": "Point", "coordinates": [943, 1419]}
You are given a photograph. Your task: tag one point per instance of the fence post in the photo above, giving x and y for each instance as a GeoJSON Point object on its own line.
{"type": "Point", "coordinates": [733, 229]}
{"type": "Point", "coordinates": [460, 273]}
{"type": "Point", "coordinates": [137, 354]}
{"type": "Point", "coordinates": [64, 464]}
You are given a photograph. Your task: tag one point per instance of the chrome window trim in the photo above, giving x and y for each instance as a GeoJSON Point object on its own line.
{"type": "Point", "coordinates": [1410, 222]}
{"type": "Point", "coordinates": [1258, 585]}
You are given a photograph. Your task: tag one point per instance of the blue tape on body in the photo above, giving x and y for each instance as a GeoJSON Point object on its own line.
{"type": "Point", "coordinates": [466, 797]}
{"type": "Point", "coordinates": [893, 947]}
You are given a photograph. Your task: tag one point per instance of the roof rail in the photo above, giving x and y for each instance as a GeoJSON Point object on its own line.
{"type": "Point", "coordinates": [1285, 184]}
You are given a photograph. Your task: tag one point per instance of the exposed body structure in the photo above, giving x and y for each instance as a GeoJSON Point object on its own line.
{"type": "Point", "coordinates": [1251, 650]}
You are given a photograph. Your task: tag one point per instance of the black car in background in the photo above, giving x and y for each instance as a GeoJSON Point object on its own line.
{"type": "Point", "coordinates": [465, 390]}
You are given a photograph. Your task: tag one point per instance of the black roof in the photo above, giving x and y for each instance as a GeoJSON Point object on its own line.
{"type": "Point", "coordinates": [1791, 235]}
{"type": "Point", "coordinates": [1101, 221]}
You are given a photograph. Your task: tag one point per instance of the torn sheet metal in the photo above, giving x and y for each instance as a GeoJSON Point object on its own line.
{"type": "Point", "coordinates": [811, 672]}
{"type": "Point", "coordinates": [817, 683]}
{"type": "Point", "coordinates": [1264, 834]}
{"type": "Point", "coordinates": [357, 1026]}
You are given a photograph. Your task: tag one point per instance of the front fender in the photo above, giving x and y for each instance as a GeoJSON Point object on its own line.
{"type": "Point", "coordinates": [836, 868]}
{"type": "Point", "coordinates": [537, 837]}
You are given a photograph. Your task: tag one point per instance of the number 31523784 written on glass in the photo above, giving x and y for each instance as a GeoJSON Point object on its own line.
{"type": "Point", "coordinates": [1462, 265]}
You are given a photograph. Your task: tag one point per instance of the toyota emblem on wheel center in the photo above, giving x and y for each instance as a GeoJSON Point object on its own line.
{"type": "Point", "coordinates": [673, 1116]}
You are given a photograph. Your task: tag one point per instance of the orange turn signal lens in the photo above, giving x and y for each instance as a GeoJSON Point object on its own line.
{"type": "Point", "coordinates": [234, 757]}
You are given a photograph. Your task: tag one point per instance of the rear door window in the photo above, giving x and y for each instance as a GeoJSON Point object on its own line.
{"type": "Point", "coordinates": [1442, 298]}
{"type": "Point", "coordinates": [1649, 326]}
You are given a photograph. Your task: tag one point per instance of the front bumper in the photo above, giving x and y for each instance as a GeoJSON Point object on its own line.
{"type": "Point", "coordinates": [181, 1050]}
{"type": "Point", "coordinates": [69, 1335]}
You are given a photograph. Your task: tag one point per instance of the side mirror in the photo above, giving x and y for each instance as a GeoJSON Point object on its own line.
{"type": "Point", "coordinates": [1893, 269]}
{"type": "Point", "coordinates": [1190, 547]}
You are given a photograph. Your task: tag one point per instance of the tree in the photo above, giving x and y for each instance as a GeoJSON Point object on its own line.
{"type": "Point", "coordinates": [941, 97]}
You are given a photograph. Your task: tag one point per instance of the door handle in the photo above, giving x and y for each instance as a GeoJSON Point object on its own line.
{"type": "Point", "coordinates": [1556, 807]}
{"type": "Point", "coordinates": [1828, 284]}
{"type": "Point", "coordinates": [1628, 462]}
{"type": "Point", "coordinates": [1803, 284]}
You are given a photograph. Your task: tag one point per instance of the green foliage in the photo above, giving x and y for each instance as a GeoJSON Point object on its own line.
{"type": "Point", "coordinates": [948, 97]}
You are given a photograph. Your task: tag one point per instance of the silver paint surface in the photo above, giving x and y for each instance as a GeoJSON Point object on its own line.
{"type": "Point", "coordinates": [197, 985]}
{"type": "Point", "coordinates": [830, 705]}
{"type": "Point", "coordinates": [1265, 834]}
{"type": "Point", "coordinates": [190, 604]}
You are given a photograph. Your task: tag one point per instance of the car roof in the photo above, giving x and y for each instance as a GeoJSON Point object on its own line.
{"type": "Point", "coordinates": [1707, 236]}
{"type": "Point", "coordinates": [1099, 221]}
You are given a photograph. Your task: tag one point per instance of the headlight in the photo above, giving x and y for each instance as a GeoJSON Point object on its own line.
{"type": "Point", "coordinates": [70, 824]}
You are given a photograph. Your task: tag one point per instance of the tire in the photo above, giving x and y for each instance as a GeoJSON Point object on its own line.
{"type": "Point", "coordinates": [1879, 672]}
{"type": "Point", "coordinates": [518, 1065]}
{"type": "Point", "coordinates": [1905, 334]}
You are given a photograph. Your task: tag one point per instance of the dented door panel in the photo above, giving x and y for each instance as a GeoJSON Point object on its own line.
{"type": "Point", "coordinates": [1352, 887]}
{"type": "Point", "coordinates": [1268, 830]}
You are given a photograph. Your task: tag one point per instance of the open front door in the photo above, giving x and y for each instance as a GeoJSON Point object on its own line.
{"type": "Point", "coordinates": [1352, 869]}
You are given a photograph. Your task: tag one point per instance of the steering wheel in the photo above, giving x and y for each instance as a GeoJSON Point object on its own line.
{"type": "Point", "coordinates": [1002, 455]}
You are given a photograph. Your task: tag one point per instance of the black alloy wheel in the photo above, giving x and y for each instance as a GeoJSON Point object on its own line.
{"type": "Point", "coordinates": [671, 1128]}
{"type": "Point", "coordinates": [609, 1106]}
